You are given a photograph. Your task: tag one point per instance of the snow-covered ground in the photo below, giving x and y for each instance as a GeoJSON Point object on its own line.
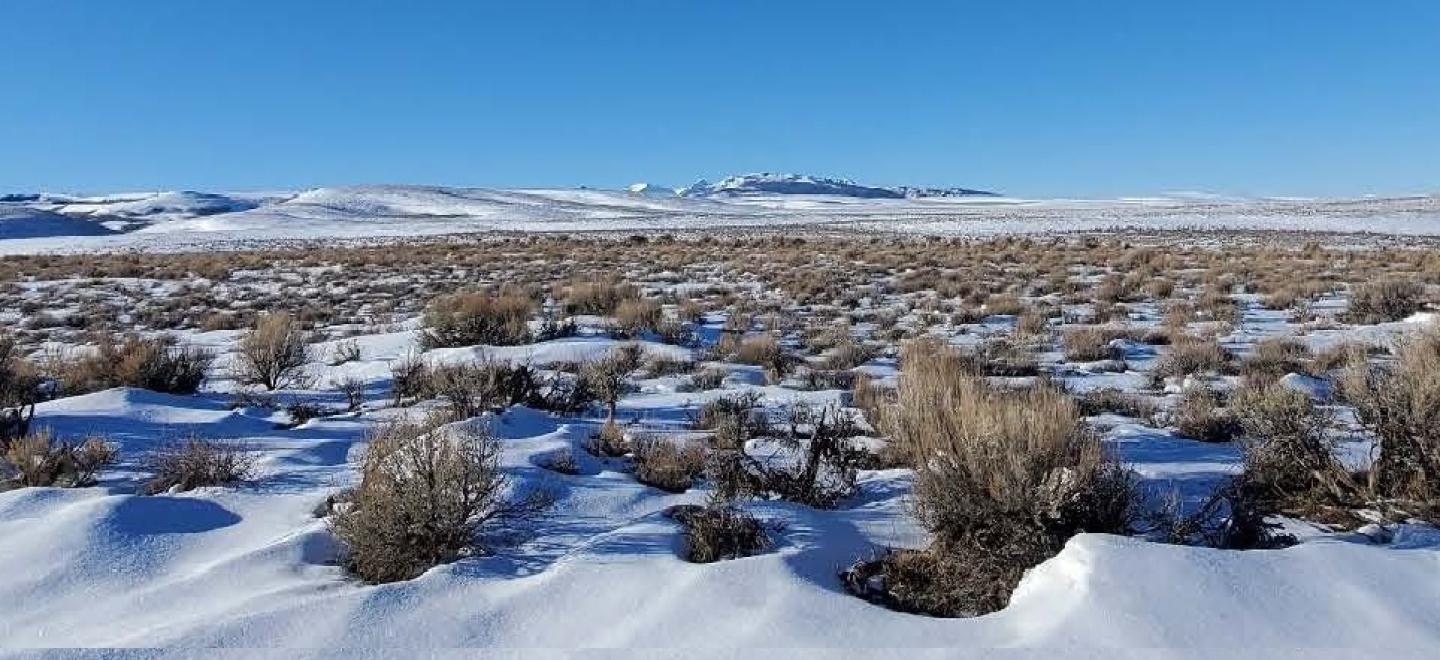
{"type": "Point", "coordinates": [254, 566]}
{"type": "Point", "coordinates": [191, 220]}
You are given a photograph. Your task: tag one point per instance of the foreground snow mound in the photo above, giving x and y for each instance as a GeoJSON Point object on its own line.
{"type": "Point", "coordinates": [247, 569]}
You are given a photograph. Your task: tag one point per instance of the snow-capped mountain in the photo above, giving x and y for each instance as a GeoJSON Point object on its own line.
{"type": "Point", "coordinates": [802, 184]}
{"type": "Point", "coordinates": [645, 189]}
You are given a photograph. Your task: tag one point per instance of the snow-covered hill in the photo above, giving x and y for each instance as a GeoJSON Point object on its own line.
{"type": "Point", "coordinates": [38, 222]}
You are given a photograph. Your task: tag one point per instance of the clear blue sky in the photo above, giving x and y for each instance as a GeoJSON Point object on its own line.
{"type": "Point", "coordinates": [1032, 98]}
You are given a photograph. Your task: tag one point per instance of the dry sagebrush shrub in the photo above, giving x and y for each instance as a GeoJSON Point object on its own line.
{"type": "Point", "coordinates": [1032, 324]}
{"type": "Point", "coordinates": [1273, 357]}
{"type": "Point", "coordinates": [709, 378]}
{"type": "Point", "coordinates": [667, 463]}
{"type": "Point", "coordinates": [1400, 404]}
{"type": "Point", "coordinates": [1390, 299]}
{"type": "Point", "coordinates": [1116, 401]}
{"type": "Point", "coordinates": [426, 488]}
{"type": "Point", "coordinates": [409, 378]}
{"type": "Point", "coordinates": [1200, 414]}
{"type": "Point", "coordinates": [473, 388]}
{"type": "Point", "coordinates": [609, 378]}
{"type": "Point", "coordinates": [598, 298]}
{"type": "Point", "coordinates": [1090, 344]}
{"type": "Point", "coordinates": [1189, 355]}
{"type": "Point", "coordinates": [1002, 479]}
{"type": "Point", "coordinates": [20, 382]}
{"type": "Point", "coordinates": [848, 354]}
{"type": "Point", "coordinates": [197, 463]}
{"type": "Point", "coordinates": [1004, 304]}
{"type": "Point", "coordinates": [273, 354]}
{"type": "Point", "coordinates": [152, 364]}
{"type": "Point", "coordinates": [38, 459]}
{"type": "Point", "coordinates": [764, 350]}
{"type": "Point", "coordinates": [719, 531]}
{"type": "Point", "coordinates": [1289, 461]}
{"type": "Point", "coordinates": [468, 319]}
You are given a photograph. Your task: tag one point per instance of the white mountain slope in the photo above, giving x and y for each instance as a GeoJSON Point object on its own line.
{"type": "Point", "coordinates": [24, 222]}
{"type": "Point", "coordinates": [197, 220]}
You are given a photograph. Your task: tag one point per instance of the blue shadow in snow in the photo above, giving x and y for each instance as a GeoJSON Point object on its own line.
{"type": "Point", "coordinates": [159, 514]}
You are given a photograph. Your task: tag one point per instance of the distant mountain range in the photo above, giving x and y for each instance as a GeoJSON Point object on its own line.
{"type": "Point", "coordinates": [766, 183]}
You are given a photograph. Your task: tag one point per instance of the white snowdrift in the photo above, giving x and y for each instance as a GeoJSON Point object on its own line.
{"type": "Point", "coordinates": [253, 567]}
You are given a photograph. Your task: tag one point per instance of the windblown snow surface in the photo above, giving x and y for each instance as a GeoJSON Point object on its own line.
{"type": "Point", "coordinates": [253, 567]}
{"type": "Point", "coordinates": [192, 220]}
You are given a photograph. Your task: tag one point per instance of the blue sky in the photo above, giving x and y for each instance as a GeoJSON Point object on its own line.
{"type": "Point", "coordinates": [1031, 98]}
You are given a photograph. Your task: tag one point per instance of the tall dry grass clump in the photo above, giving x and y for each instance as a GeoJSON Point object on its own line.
{"type": "Point", "coordinates": [636, 316]}
{"type": "Point", "coordinates": [1090, 344]}
{"type": "Point", "coordinates": [273, 354]}
{"type": "Point", "coordinates": [468, 319]}
{"type": "Point", "coordinates": [1002, 479]}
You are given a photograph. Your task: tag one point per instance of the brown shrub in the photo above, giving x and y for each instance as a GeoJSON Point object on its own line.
{"type": "Point", "coordinates": [1189, 356]}
{"type": "Point", "coordinates": [38, 460]}
{"type": "Point", "coordinates": [1200, 414]}
{"type": "Point", "coordinates": [1400, 404]}
{"type": "Point", "coordinates": [598, 298]}
{"type": "Point", "coordinates": [274, 353]}
{"type": "Point", "coordinates": [409, 378]}
{"type": "Point", "coordinates": [609, 441]}
{"type": "Point", "coordinates": [849, 354]}
{"type": "Point", "coordinates": [1090, 344]}
{"type": "Point", "coordinates": [709, 378]}
{"type": "Point", "coordinates": [764, 351]}
{"type": "Point", "coordinates": [719, 531]}
{"type": "Point", "coordinates": [636, 316]}
{"type": "Point", "coordinates": [152, 364]}
{"type": "Point", "coordinates": [1116, 401]}
{"type": "Point", "coordinates": [19, 390]}
{"type": "Point", "coordinates": [1290, 463]}
{"type": "Point", "coordinates": [197, 463]}
{"type": "Point", "coordinates": [1031, 324]}
{"type": "Point", "coordinates": [1002, 477]}
{"type": "Point", "coordinates": [473, 388]}
{"type": "Point", "coordinates": [668, 464]}
{"type": "Point", "coordinates": [1004, 305]}
{"type": "Point", "coordinates": [425, 490]}
{"type": "Point", "coordinates": [609, 377]}
{"type": "Point", "coordinates": [1380, 301]}
{"type": "Point", "coordinates": [1273, 357]}
{"type": "Point", "coordinates": [469, 319]}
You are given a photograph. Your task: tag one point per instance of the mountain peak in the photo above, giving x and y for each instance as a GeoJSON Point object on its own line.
{"type": "Point", "coordinates": [763, 183]}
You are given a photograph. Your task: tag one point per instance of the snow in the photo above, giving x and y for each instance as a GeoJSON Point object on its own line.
{"type": "Point", "coordinates": [192, 220]}
{"type": "Point", "coordinates": [22, 223]}
{"type": "Point", "coordinates": [253, 567]}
